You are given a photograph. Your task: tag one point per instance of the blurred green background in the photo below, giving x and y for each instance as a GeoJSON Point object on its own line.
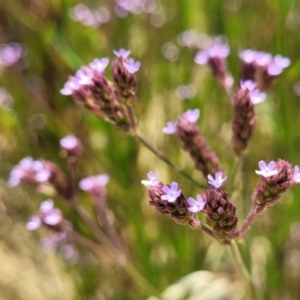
{"type": "Point", "coordinates": [55, 46]}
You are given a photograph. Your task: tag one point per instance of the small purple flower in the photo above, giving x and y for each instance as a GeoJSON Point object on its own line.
{"type": "Point", "coordinates": [217, 181]}
{"type": "Point", "coordinates": [263, 58]}
{"type": "Point", "coordinates": [70, 86]}
{"type": "Point", "coordinates": [9, 54]}
{"type": "Point", "coordinates": [216, 50]}
{"type": "Point", "coordinates": [93, 183]}
{"type": "Point", "coordinates": [42, 172]}
{"type": "Point", "coordinates": [33, 223]}
{"type": "Point", "coordinates": [248, 56]}
{"type": "Point", "coordinates": [296, 176]}
{"type": "Point", "coordinates": [282, 62]}
{"type": "Point", "coordinates": [257, 96]}
{"type": "Point", "coordinates": [267, 170]}
{"type": "Point", "coordinates": [248, 85]}
{"type": "Point", "coordinates": [84, 76]}
{"type": "Point", "coordinates": [171, 193]}
{"type": "Point", "coordinates": [122, 53]}
{"type": "Point", "coordinates": [195, 205]}
{"type": "Point", "coordinates": [131, 65]}
{"type": "Point", "coordinates": [170, 128]}
{"type": "Point", "coordinates": [50, 215]}
{"type": "Point", "coordinates": [25, 170]}
{"type": "Point", "coordinates": [153, 179]}
{"type": "Point", "coordinates": [69, 142]}
{"type": "Point", "coordinates": [192, 115]}
{"type": "Point", "coordinates": [99, 65]}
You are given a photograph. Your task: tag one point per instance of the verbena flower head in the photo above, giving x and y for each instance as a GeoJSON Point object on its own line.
{"type": "Point", "coordinates": [170, 128]}
{"type": "Point", "coordinates": [24, 171]}
{"type": "Point", "coordinates": [192, 115]}
{"type": "Point", "coordinates": [93, 183]}
{"type": "Point", "coordinates": [267, 170]}
{"type": "Point", "coordinates": [217, 181]}
{"type": "Point", "coordinates": [296, 176]}
{"type": "Point", "coordinates": [196, 205]}
{"type": "Point", "coordinates": [122, 53]}
{"type": "Point", "coordinates": [171, 192]}
{"type": "Point", "coordinates": [153, 179]}
{"type": "Point", "coordinates": [131, 65]}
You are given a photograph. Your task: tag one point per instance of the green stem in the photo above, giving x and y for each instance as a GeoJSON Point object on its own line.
{"type": "Point", "coordinates": [239, 264]}
{"type": "Point", "coordinates": [149, 146]}
{"type": "Point", "coordinates": [247, 223]}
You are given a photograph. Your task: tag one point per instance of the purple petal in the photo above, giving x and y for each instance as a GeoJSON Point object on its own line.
{"type": "Point", "coordinates": [46, 206]}
{"type": "Point", "coordinates": [262, 165]}
{"type": "Point", "coordinates": [69, 142]}
{"type": "Point", "coordinates": [33, 223]}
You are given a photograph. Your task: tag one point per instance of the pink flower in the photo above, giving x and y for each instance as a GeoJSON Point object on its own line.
{"type": "Point", "coordinates": [153, 179]}
{"type": "Point", "coordinates": [170, 128]}
{"type": "Point", "coordinates": [192, 115]}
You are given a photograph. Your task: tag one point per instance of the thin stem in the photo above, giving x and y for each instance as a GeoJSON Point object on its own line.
{"type": "Point", "coordinates": [208, 231]}
{"type": "Point", "coordinates": [132, 119]}
{"type": "Point", "coordinates": [246, 224]}
{"type": "Point", "coordinates": [148, 145]}
{"type": "Point", "coordinates": [238, 261]}
{"type": "Point", "coordinates": [110, 230]}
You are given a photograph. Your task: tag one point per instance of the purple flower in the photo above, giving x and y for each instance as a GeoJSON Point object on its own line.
{"type": "Point", "coordinates": [9, 54]}
{"type": "Point", "coordinates": [195, 205]}
{"type": "Point", "coordinates": [93, 183]}
{"type": "Point", "coordinates": [248, 56]}
{"type": "Point", "coordinates": [171, 193]}
{"type": "Point", "coordinates": [69, 142]}
{"type": "Point", "coordinates": [24, 171]}
{"type": "Point", "coordinates": [42, 172]}
{"type": "Point", "coordinates": [99, 65]}
{"type": "Point", "coordinates": [282, 62]}
{"type": "Point", "coordinates": [248, 85]}
{"type": "Point", "coordinates": [33, 223]}
{"type": "Point", "coordinates": [263, 58]}
{"type": "Point", "coordinates": [267, 170]}
{"type": "Point", "coordinates": [192, 115]}
{"type": "Point", "coordinates": [170, 128]}
{"type": "Point", "coordinates": [122, 53]}
{"type": "Point", "coordinates": [296, 176]}
{"type": "Point", "coordinates": [48, 215]}
{"type": "Point", "coordinates": [131, 66]}
{"type": "Point", "coordinates": [153, 179]}
{"type": "Point", "coordinates": [70, 86]}
{"type": "Point", "coordinates": [217, 181]}
{"type": "Point", "coordinates": [84, 76]}
{"type": "Point", "coordinates": [257, 96]}
{"type": "Point", "coordinates": [216, 50]}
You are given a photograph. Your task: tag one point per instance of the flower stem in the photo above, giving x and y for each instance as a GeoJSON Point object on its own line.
{"type": "Point", "coordinates": [149, 146]}
{"type": "Point", "coordinates": [246, 224]}
{"type": "Point", "coordinates": [238, 261]}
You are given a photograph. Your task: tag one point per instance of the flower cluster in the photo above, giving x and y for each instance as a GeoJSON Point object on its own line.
{"type": "Point", "coordinates": [52, 218]}
{"type": "Point", "coordinates": [87, 17]}
{"type": "Point", "coordinates": [90, 88]}
{"type": "Point", "coordinates": [193, 142]}
{"type": "Point", "coordinates": [244, 119]}
{"type": "Point", "coordinates": [261, 67]}
{"type": "Point", "coordinates": [215, 57]}
{"type": "Point", "coordinates": [123, 7]}
{"type": "Point", "coordinates": [276, 178]}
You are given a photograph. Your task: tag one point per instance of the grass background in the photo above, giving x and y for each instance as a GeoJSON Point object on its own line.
{"type": "Point", "coordinates": [161, 250]}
